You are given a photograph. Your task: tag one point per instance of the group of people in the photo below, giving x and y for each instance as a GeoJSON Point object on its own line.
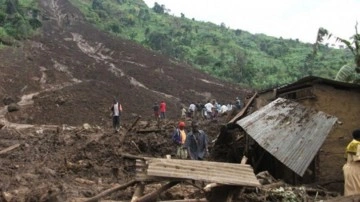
{"type": "Point", "coordinates": [209, 110]}
{"type": "Point", "coordinates": [193, 144]}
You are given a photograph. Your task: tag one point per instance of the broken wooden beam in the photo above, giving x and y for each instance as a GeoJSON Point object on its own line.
{"type": "Point", "coordinates": [130, 156]}
{"type": "Point", "coordinates": [9, 148]}
{"type": "Point", "coordinates": [139, 191]}
{"type": "Point", "coordinates": [153, 195]}
{"type": "Point", "coordinates": [134, 123]}
{"type": "Point", "coordinates": [111, 190]}
{"type": "Point", "coordinates": [135, 145]}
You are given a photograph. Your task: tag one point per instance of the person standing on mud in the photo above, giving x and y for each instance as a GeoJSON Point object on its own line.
{"type": "Point", "coordinates": [192, 110]}
{"type": "Point", "coordinates": [352, 167]}
{"type": "Point", "coordinates": [156, 110]}
{"type": "Point", "coordinates": [196, 142]}
{"type": "Point", "coordinates": [116, 110]}
{"type": "Point", "coordinates": [238, 103]}
{"type": "Point", "coordinates": [199, 109]}
{"type": "Point", "coordinates": [162, 110]}
{"type": "Point", "coordinates": [183, 113]}
{"type": "Point", "coordinates": [179, 137]}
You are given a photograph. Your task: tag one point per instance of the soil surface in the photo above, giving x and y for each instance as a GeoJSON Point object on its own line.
{"type": "Point", "coordinates": [57, 144]}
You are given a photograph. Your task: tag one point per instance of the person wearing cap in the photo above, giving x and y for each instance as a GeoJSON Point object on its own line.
{"type": "Point", "coordinates": [351, 168]}
{"type": "Point", "coordinates": [179, 137]}
{"type": "Point", "coordinates": [197, 142]}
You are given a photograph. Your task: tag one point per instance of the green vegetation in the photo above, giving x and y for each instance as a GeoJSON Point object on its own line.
{"type": "Point", "coordinates": [18, 20]}
{"type": "Point", "coordinates": [347, 73]}
{"type": "Point", "coordinates": [256, 61]}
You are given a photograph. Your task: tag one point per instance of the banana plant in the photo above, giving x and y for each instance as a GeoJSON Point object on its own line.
{"type": "Point", "coordinates": [347, 73]}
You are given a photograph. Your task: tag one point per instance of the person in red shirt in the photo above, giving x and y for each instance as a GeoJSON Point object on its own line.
{"type": "Point", "coordinates": [162, 109]}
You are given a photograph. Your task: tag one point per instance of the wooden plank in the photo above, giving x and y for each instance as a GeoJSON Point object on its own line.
{"type": "Point", "coordinates": [223, 173]}
{"type": "Point", "coordinates": [229, 180]}
{"type": "Point", "coordinates": [199, 163]}
{"type": "Point", "coordinates": [203, 170]}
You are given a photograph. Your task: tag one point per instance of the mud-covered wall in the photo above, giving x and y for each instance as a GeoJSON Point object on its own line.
{"type": "Point", "coordinates": [345, 105]}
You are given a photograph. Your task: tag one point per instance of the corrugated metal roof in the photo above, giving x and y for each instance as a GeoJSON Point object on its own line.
{"type": "Point", "coordinates": [219, 172]}
{"type": "Point", "coordinates": [289, 131]}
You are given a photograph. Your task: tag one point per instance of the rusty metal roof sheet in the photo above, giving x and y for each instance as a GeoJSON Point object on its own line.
{"type": "Point", "coordinates": [289, 131]}
{"type": "Point", "coordinates": [223, 173]}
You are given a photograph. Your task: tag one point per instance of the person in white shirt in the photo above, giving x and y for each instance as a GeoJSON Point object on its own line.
{"type": "Point", "coordinates": [223, 109]}
{"type": "Point", "coordinates": [209, 107]}
{"type": "Point", "coordinates": [192, 109]}
{"type": "Point", "coordinates": [230, 106]}
{"type": "Point", "coordinates": [116, 109]}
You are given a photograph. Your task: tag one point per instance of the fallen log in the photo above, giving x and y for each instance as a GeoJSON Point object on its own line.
{"type": "Point", "coordinates": [134, 123]}
{"type": "Point", "coordinates": [139, 191]}
{"type": "Point", "coordinates": [150, 131]}
{"type": "Point", "coordinates": [153, 195]}
{"type": "Point", "coordinates": [111, 190]}
{"type": "Point", "coordinates": [130, 156]}
{"type": "Point", "coordinates": [9, 148]}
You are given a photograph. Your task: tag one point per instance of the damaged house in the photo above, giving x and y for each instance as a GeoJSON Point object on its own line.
{"type": "Point", "coordinates": [297, 132]}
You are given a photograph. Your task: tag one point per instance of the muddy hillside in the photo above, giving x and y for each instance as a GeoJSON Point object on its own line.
{"type": "Point", "coordinates": [71, 71]}
{"type": "Point", "coordinates": [56, 137]}
{"type": "Point", "coordinates": [56, 140]}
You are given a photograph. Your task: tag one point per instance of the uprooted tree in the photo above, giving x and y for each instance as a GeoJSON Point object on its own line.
{"type": "Point", "coordinates": [347, 73]}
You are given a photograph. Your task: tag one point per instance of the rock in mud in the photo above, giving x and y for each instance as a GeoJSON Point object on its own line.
{"type": "Point", "coordinates": [13, 107]}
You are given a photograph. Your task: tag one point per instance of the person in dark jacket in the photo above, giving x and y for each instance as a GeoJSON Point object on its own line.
{"type": "Point", "coordinates": [156, 110]}
{"type": "Point", "coordinates": [197, 142]}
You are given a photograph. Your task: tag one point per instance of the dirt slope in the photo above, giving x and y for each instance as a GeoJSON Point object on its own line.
{"type": "Point", "coordinates": [67, 76]}
{"type": "Point", "coordinates": [74, 71]}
